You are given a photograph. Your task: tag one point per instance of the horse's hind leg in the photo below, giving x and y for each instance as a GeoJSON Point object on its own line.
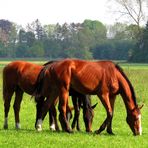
{"type": "Point", "coordinates": [7, 99]}
{"type": "Point", "coordinates": [16, 106]}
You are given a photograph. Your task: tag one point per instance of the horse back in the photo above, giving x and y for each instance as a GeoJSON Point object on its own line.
{"type": "Point", "coordinates": [85, 76]}
{"type": "Point", "coordinates": [21, 74]}
{"type": "Point", "coordinates": [93, 77]}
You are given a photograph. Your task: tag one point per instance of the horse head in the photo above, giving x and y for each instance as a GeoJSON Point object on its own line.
{"type": "Point", "coordinates": [88, 115]}
{"type": "Point", "coordinates": [134, 120]}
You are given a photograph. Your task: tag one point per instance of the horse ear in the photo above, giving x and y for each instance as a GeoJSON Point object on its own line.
{"type": "Point", "coordinates": [94, 106]}
{"type": "Point", "coordinates": [140, 107]}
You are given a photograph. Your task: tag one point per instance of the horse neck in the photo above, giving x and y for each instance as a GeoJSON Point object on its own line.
{"type": "Point", "coordinates": [126, 93]}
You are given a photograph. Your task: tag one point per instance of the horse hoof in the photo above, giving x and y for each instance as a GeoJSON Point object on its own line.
{"type": "Point", "coordinates": [39, 125]}
{"type": "Point", "coordinates": [69, 131]}
{"type": "Point", "coordinates": [78, 129]}
{"type": "Point", "coordinates": [97, 132]}
{"type": "Point", "coordinates": [39, 128]}
{"type": "Point", "coordinates": [5, 127]}
{"type": "Point", "coordinates": [17, 126]}
{"type": "Point", "coordinates": [110, 132]}
{"type": "Point", "coordinates": [52, 127]}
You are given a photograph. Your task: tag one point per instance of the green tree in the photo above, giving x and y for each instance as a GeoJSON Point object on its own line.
{"type": "Point", "coordinates": [140, 54]}
{"type": "Point", "coordinates": [22, 36]}
{"type": "Point", "coordinates": [36, 50]}
{"type": "Point", "coordinates": [92, 32]}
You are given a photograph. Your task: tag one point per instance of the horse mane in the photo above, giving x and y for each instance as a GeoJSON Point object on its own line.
{"type": "Point", "coordinates": [49, 62]}
{"type": "Point", "coordinates": [128, 81]}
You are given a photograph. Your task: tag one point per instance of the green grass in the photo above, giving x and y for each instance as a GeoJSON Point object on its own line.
{"type": "Point", "coordinates": [28, 137]}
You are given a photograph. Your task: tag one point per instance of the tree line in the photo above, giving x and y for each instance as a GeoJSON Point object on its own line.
{"type": "Point", "coordinates": [87, 40]}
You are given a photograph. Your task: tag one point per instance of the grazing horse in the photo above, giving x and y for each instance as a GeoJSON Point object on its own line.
{"type": "Point", "coordinates": [103, 78]}
{"type": "Point", "coordinates": [79, 100]}
{"type": "Point", "coordinates": [20, 77]}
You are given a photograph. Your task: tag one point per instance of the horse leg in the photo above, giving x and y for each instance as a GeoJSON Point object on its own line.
{"type": "Point", "coordinates": [109, 126]}
{"type": "Point", "coordinates": [16, 107]}
{"type": "Point", "coordinates": [63, 102]}
{"type": "Point", "coordinates": [7, 99]}
{"type": "Point", "coordinates": [53, 118]}
{"type": "Point", "coordinates": [76, 114]}
{"type": "Point", "coordinates": [78, 122]}
{"type": "Point", "coordinates": [106, 103]}
{"type": "Point", "coordinates": [39, 104]}
{"type": "Point", "coordinates": [44, 109]}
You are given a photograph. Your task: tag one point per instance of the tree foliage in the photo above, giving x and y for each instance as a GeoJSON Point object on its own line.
{"type": "Point", "coordinates": [140, 54]}
{"type": "Point", "coordinates": [87, 40]}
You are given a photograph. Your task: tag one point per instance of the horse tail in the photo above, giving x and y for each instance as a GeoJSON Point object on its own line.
{"type": "Point", "coordinates": [39, 84]}
{"type": "Point", "coordinates": [4, 84]}
{"type": "Point", "coordinates": [8, 85]}
{"type": "Point", "coordinates": [128, 81]}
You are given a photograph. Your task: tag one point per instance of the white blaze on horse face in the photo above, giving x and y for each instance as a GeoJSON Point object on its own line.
{"type": "Point", "coordinates": [140, 127]}
{"type": "Point", "coordinates": [52, 127]}
{"type": "Point", "coordinates": [39, 125]}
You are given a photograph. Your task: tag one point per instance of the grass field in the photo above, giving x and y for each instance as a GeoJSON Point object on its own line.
{"type": "Point", "coordinates": [27, 137]}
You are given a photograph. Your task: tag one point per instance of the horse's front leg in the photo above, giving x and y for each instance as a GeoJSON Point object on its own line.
{"type": "Point", "coordinates": [63, 102]}
{"type": "Point", "coordinates": [39, 104]}
{"type": "Point", "coordinates": [109, 126]}
{"type": "Point", "coordinates": [105, 101]}
{"type": "Point", "coordinates": [44, 109]}
{"type": "Point", "coordinates": [53, 123]}
{"type": "Point", "coordinates": [76, 113]}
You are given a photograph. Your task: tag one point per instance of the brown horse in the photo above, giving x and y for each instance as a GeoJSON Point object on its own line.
{"type": "Point", "coordinates": [79, 101]}
{"type": "Point", "coordinates": [20, 77]}
{"type": "Point", "coordinates": [103, 78]}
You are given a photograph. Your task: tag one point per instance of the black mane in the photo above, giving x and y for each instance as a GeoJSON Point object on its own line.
{"type": "Point", "coordinates": [128, 81]}
{"type": "Point", "coordinates": [49, 62]}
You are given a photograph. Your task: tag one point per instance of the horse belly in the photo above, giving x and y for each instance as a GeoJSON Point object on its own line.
{"type": "Point", "coordinates": [86, 83]}
{"type": "Point", "coordinates": [27, 84]}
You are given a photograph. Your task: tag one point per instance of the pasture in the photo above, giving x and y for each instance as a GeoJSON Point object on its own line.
{"type": "Point", "coordinates": [28, 137]}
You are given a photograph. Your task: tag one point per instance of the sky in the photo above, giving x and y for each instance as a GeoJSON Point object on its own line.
{"type": "Point", "coordinates": [23, 12]}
